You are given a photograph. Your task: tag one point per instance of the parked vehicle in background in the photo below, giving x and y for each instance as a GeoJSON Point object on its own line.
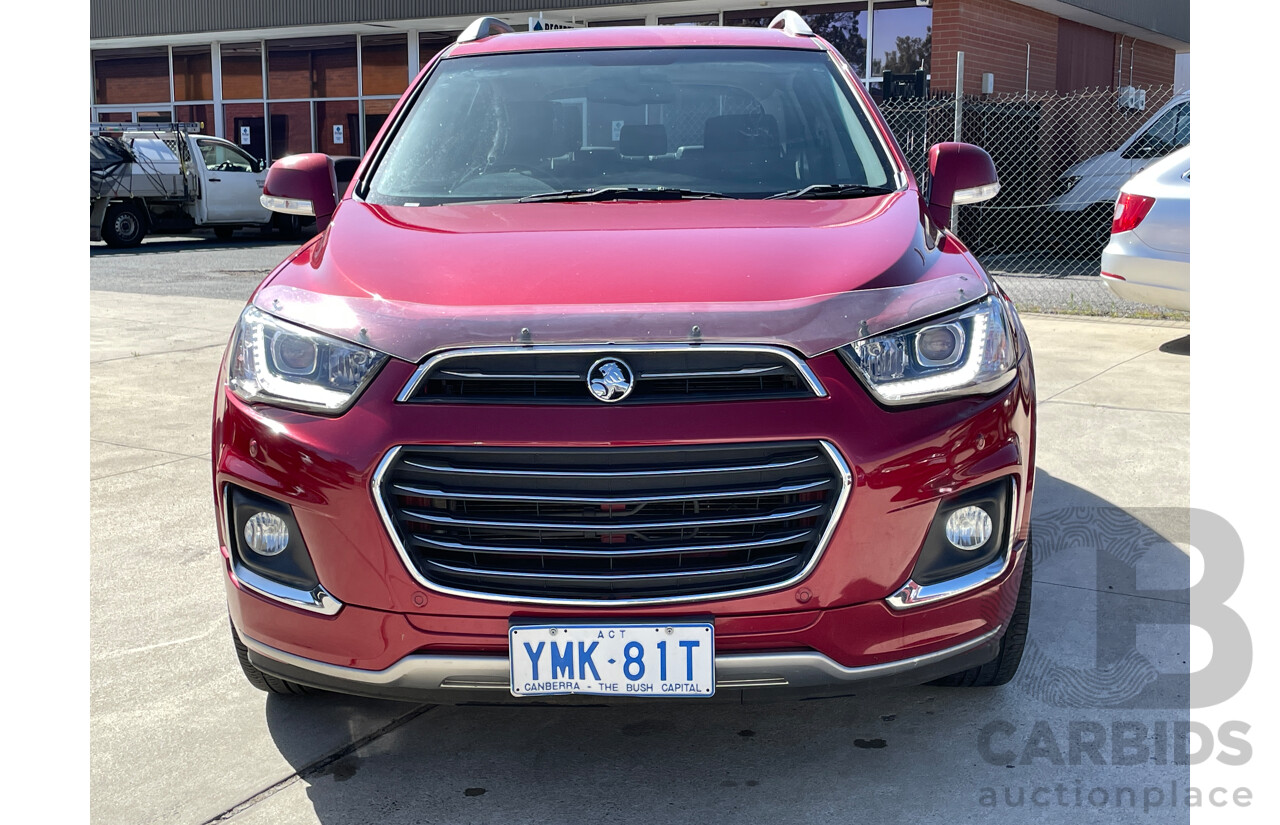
{"type": "Point", "coordinates": [1149, 257]}
{"type": "Point", "coordinates": [1096, 182]}
{"type": "Point", "coordinates": [634, 363]}
{"type": "Point", "coordinates": [166, 177]}
{"type": "Point", "coordinates": [344, 169]}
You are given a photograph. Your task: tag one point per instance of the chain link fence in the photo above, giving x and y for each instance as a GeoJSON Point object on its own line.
{"type": "Point", "coordinates": [1062, 159]}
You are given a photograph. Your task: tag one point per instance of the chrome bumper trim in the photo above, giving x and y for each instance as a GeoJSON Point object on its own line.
{"type": "Point", "coordinates": [428, 672]}
{"type": "Point", "coordinates": [914, 595]}
{"type": "Point", "coordinates": [316, 600]}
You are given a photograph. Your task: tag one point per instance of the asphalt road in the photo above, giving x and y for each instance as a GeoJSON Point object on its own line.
{"type": "Point", "coordinates": [190, 265]}
{"type": "Point", "coordinates": [1089, 731]}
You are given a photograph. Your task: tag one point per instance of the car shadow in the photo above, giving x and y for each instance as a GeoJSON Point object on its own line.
{"type": "Point", "coordinates": [1109, 645]}
{"type": "Point", "coordinates": [186, 243]}
{"type": "Point", "coordinates": [1178, 346]}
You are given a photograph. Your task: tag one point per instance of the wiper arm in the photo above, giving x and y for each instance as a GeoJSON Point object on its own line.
{"type": "Point", "coordinates": [615, 193]}
{"type": "Point", "coordinates": [832, 190]}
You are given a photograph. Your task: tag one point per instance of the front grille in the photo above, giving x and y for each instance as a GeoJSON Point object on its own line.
{"type": "Point", "coordinates": [670, 374]}
{"type": "Point", "coordinates": [611, 524]}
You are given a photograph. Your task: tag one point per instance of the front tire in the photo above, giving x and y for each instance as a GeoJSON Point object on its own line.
{"type": "Point", "coordinates": [289, 226]}
{"type": "Point", "coordinates": [264, 681]}
{"type": "Point", "coordinates": [1002, 669]}
{"type": "Point", "coordinates": [124, 226]}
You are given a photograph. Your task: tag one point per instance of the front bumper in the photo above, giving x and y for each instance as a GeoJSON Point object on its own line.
{"type": "Point", "coordinates": [375, 629]}
{"type": "Point", "coordinates": [446, 679]}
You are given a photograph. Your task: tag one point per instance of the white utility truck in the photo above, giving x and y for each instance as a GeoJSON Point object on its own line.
{"type": "Point", "coordinates": [167, 177]}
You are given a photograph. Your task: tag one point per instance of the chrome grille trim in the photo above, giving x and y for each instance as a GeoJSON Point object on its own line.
{"type": "Point", "coordinates": [611, 577]}
{"type": "Point", "coordinates": [496, 376]}
{"type": "Point", "coordinates": [771, 491]}
{"type": "Point", "coordinates": [654, 551]}
{"type": "Point", "coordinates": [780, 465]}
{"type": "Point", "coordinates": [785, 515]}
{"type": "Point", "coordinates": [412, 387]}
{"type": "Point", "coordinates": [845, 485]}
{"type": "Point", "coordinates": [654, 376]}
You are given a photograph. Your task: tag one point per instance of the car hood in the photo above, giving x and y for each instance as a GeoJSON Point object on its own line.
{"type": "Point", "coordinates": [412, 280]}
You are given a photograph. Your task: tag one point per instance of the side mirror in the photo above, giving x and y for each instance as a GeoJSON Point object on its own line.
{"type": "Point", "coordinates": [302, 185]}
{"type": "Point", "coordinates": [959, 173]}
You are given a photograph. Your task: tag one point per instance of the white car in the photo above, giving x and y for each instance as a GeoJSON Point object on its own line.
{"type": "Point", "coordinates": [1097, 180]}
{"type": "Point", "coordinates": [1149, 256]}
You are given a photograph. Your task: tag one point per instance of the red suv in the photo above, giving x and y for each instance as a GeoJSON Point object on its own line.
{"type": "Point", "coordinates": [633, 362]}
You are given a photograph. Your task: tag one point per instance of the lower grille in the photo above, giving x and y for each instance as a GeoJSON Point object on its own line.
{"type": "Point", "coordinates": [611, 524]}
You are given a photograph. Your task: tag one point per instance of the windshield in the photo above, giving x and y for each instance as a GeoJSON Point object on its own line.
{"type": "Point", "coordinates": [744, 123]}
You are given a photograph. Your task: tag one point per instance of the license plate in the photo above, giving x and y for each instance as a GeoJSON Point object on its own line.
{"type": "Point", "coordinates": [613, 660]}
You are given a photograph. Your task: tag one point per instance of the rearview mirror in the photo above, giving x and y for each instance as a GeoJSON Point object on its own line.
{"type": "Point", "coordinates": [959, 173]}
{"type": "Point", "coordinates": [302, 185]}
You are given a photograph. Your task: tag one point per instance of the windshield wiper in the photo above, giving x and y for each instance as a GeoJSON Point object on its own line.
{"type": "Point", "coordinates": [619, 193]}
{"type": "Point", "coordinates": [833, 190]}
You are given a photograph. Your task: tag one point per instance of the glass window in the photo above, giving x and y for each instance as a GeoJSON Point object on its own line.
{"type": "Point", "coordinates": [338, 127]}
{"type": "Point", "coordinates": [288, 70]}
{"type": "Point", "coordinates": [192, 73]}
{"type": "Point", "coordinates": [315, 67]}
{"type": "Point", "coordinates": [384, 64]}
{"type": "Point", "coordinates": [1171, 131]}
{"type": "Point", "coordinates": [903, 40]}
{"type": "Point", "coordinates": [221, 157]}
{"type": "Point", "coordinates": [199, 113]}
{"type": "Point", "coordinates": [131, 75]}
{"type": "Point", "coordinates": [290, 128]}
{"type": "Point", "coordinates": [432, 43]}
{"type": "Point", "coordinates": [691, 20]}
{"type": "Point", "coordinates": [742, 122]}
{"type": "Point", "coordinates": [242, 71]}
{"type": "Point", "coordinates": [639, 21]}
{"type": "Point", "coordinates": [843, 25]}
{"type": "Point", "coordinates": [246, 127]}
{"type": "Point", "coordinates": [375, 115]}
{"type": "Point", "coordinates": [334, 65]}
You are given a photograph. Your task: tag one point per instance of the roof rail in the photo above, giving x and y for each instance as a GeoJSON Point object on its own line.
{"type": "Point", "coordinates": [144, 126]}
{"type": "Point", "coordinates": [483, 27]}
{"type": "Point", "coordinates": [792, 24]}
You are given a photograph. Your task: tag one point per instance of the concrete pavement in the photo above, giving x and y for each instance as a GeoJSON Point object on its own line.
{"type": "Point", "coordinates": [178, 736]}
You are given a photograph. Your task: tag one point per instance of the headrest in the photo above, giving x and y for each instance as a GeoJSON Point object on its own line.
{"type": "Point", "coordinates": [736, 132]}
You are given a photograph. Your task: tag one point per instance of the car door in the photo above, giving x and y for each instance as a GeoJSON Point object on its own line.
{"type": "Point", "coordinates": [234, 190]}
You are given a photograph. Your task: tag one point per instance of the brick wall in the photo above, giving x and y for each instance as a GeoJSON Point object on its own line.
{"type": "Point", "coordinates": [1152, 65]}
{"type": "Point", "coordinates": [993, 34]}
{"type": "Point", "coordinates": [131, 80]}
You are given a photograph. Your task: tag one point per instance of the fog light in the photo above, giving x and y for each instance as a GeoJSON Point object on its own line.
{"type": "Point", "coordinates": [268, 535]}
{"type": "Point", "coordinates": [969, 528]}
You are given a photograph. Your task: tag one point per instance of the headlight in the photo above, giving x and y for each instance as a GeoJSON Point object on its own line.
{"type": "Point", "coordinates": [276, 362]}
{"type": "Point", "coordinates": [968, 353]}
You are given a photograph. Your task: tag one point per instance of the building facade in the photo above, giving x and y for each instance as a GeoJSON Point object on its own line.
{"type": "Point", "coordinates": [292, 76]}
